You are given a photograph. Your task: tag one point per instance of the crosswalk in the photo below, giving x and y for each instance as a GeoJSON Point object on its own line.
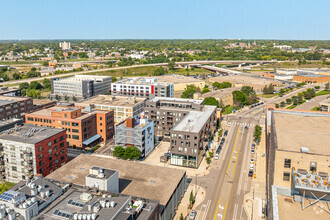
{"type": "Point", "coordinates": [242, 124]}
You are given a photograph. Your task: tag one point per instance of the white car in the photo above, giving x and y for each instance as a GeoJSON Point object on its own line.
{"type": "Point", "coordinates": [228, 124]}
{"type": "Point", "coordinates": [251, 166]}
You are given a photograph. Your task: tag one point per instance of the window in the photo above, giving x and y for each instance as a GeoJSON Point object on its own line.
{"type": "Point", "coordinates": [40, 156]}
{"type": "Point", "coordinates": [50, 151]}
{"type": "Point", "coordinates": [61, 138]}
{"type": "Point", "coordinates": [76, 137]}
{"type": "Point", "coordinates": [39, 149]}
{"type": "Point", "coordinates": [55, 141]}
{"type": "Point", "coordinates": [40, 163]}
{"type": "Point", "coordinates": [62, 144]}
{"type": "Point", "coordinates": [101, 118]}
{"type": "Point", "coordinates": [74, 124]}
{"type": "Point", "coordinates": [50, 158]}
{"type": "Point", "coordinates": [286, 176]}
{"type": "Point", "coordinates": [30, 119]}
{"type": "Point", "coordinates": [41, 170]}
{"type": "Point", "coordinates": [287, 163]}
{"type": "Point", "coordinates": [313, 166]}
{"type": "Point", "coordinates": [56, 161]}
{"type": "Point", "coordinates": [13, 168]}
{"type": "Point", "coordinates": [65, 115]}
{"type": "Point", "coordinates": [49, 143]}
{"type": "Point", "coordinates": [75, 130]}
{"type": "Point", "coordinates": [62, 157]}
{"type": "Point", "coordinates": [50, 164]}
{"type": "Point", "coordinates": [55, 148]}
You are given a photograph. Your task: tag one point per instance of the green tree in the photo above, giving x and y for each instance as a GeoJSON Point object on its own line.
{"type": "Point", "coordinates": [35, 85]}
{"type": "Point", "coordinates": [181, 217]}
{"type": "Point", "coordinates": [239, 98]}
{"type": "Point", "coordinates": [171, 65]}
{"type": "Point", "coordinates": [47, 83]}
{"type": "Point", "coordinates": [211, 101]}
{"type": "Point", "coordinates": [24, 85]}
{"type": "Point", "coordinates": [257, 133]}
{"type": "Point", "coordinates": [159, 71]}
{"type": "Point", "coordinates": [132, 153]}
{"type": "Point", "coordinates": [205, 90]}
{"type": "Point", "coordinates": [74, 98]}
{"type": "Point", "coordinates": [277, 105]}
{"type": "Point", "coordinates": [191, 198]}
{"type": "Point", "coordinates": [282, 104]}
{"type": "Point", "coordinates": [114, 79]}
{"type": "Point", "coordinates": [248, 90]}
{"type": "Point", "coordinates": [288, 100]}
{"type": "Point", "coordinates": [327, 87]}
{"type": "Point", "coordinates": [189, 92]}
{"type": "Point", "coordinates": [119, 152]}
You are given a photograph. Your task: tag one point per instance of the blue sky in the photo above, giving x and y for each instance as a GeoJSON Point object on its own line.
{"type": "Point", "coordinates": [165, 19]}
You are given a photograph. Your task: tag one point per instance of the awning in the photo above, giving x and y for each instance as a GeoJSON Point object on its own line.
{"type": "Point", "coordinates": [92, 139]}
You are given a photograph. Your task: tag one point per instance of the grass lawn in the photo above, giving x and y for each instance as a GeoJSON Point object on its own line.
{"type": "Point", "coordinates": [5, 186]}
{"type": "Point", "coordinates": [323, 92]}
{"type": "Point", "coordinates": [228, 109]}
{"type": "Point", "coordinates": [267, 96]}
{"type": "Point", "coordinates": [136, 71]}
{"type": "Point", "coordinates": [315, 108]}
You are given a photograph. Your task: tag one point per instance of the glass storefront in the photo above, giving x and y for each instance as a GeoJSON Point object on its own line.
{"type": "Point", "coordinates": [184, 160]}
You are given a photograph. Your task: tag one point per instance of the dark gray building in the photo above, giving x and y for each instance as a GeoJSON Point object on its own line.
{"type": "Point", "coordinates": [188, 123]}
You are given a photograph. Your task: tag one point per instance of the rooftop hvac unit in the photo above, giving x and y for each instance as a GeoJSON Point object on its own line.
{"type": "Point", "coordinates": [304, 150]}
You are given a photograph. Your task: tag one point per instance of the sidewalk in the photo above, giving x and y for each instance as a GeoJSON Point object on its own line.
{"type": "Point", "coordinates": [257, 194]}
{"type": "Point", "coordinates": [183, 206]}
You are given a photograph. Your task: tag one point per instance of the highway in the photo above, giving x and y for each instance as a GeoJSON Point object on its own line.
{"type": "Point", "coordinates": [128, 67]}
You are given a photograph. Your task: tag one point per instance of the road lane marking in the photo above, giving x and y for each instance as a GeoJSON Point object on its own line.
{"type": "Point", "coordinates": [216, 210]}
{"type": "Point", "coordinates": [206, 209]}
{"type": "Point", "coordinates": [235, 211]}
{"type": "Point", "coordinates": [241, 213]}
{"type": "Point", "coordinates": [224, 215]}
{"type": "Point", "coordinates": [236, 161]}
{"type": "Point", "coordinates": [233, 149]}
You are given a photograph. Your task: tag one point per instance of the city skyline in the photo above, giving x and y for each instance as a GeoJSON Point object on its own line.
{"type": "Point", "coordinates": [165, 20]}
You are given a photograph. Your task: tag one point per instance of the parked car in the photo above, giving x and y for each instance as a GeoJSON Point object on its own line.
{"type": "Point", "coordinates": [252, 161]}
{"type": "Point", "coordinates": [251, 166]}
{"type": "Point", "coordinates": [253, 146]}
{"type": "Point", "coordinates": [216, 156]}
{"type": "Point", "coordinates": [246, 127]}
{"type": "Point", "coordinates": [226, 133]}
{"type": "Point", "coordinates": [250, 173]}
{"type": "Point", "coordinates": [228, 124]}
{"type": "Point", "coordinates": [252, 151]}
{"type": "Point", "coordinates": [192, 215]}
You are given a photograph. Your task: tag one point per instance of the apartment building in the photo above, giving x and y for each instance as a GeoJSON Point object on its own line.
{"type": "Point", "coordinates": [65, 45]}
{"type": "Point", "coordinates": [84, 127]}
{"type": "Point", "coordinates": [14, 107]}
{"type": "Point", "coordinates": [123, 107]}
{"type": "Point", "coordinates": [325, 105]}
{"type": "Point", "coordinates": [188, 123]}
{"type": "Point", "coordinates": [138, 133]}
{"type": "Point", "coordinates": [142, 87]}
{"type": "Point", "coordinates": [80, 86]}
{"type": "Point", "coordinates": [297, 157]}
{"type": "Point", "coordinates": [29, 150]}
{"type": "Point", "coordinates": [10, 91]}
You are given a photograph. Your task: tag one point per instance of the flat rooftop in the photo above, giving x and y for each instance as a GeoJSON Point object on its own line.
{"type": "Point", "coordinates": [182, 100]}
{"type": "Point", "coordinates": [296, 129]}
{"type": "Point", "coordinates": [4, 100]}
{"type": "Point", "coordinates": [140, 81]}
{"type": "Point", "coordinates": [289, 209]}
{"type": "Point", "coordinates": [83, 77]}
{"type": "Point", "coordinates": [219, 93]}
{"type": "Point", "coordinates": [195, 120]}
{"type": "Point", "coordinates": [42, 101]}
{"type": "Point", "coordinates": [29, 134]}
{"type": "Point", "coordinates": [136, 179]}
{"type": "Point", "coordinates": [110, 100]}
{"type": "Point", "coordinates": [176, 79]}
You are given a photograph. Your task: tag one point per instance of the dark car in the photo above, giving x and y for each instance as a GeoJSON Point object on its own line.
{"type": "Point", "coordinates": [192, 215]}
{"type": "Point", "coordinates": [250, 173]}
{"type": "Point", "coordinates": [226, 133]}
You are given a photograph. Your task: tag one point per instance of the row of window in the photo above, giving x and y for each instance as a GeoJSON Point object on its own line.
{"type": "Point", "coordinates": [312, 167]}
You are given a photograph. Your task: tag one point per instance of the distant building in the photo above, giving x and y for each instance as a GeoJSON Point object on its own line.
{"type": "Point", "coordinates": [84, 128]}
{"type": "Point", "coordinates": [14, 107]}
{"type": "Point", "coordinates": [283, 47]}
{"type": "Point", "coordinates": [123, 107]}
{"type": "Point", "coordinates": [39, 104]}
{"type": "Point", "coordinates": [139, 134]}
{"type": "Point", "coordinates": [65, 45]}
{"type": "Point", "coordinates": [8, 91]}
{"type": "Point", "coordinates": [137, 56]}
{"type": "Point", "coordinates": [142, 87]}
{"type": "Point", "coordinates": [297, 159]}
{"type": "Point", "coordinates": [10, 123]}
{"type": "Point", "coordinates": [30, 150]}
{"type": "Point", "coordinates": [325, 105]}
{"type": "Point", "coordinates": [81, 86]}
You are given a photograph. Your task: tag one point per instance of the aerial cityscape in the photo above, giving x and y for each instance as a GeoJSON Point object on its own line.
{"type": "Point", "coordinates": [183, 110]}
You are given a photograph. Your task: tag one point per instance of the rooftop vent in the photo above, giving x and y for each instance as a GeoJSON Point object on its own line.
{"type": "Point", "coordinates": [304, 150]}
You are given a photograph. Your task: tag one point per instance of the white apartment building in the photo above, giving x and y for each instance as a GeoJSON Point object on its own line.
{"type": "Point", "coordinates": [142, 87]}
{"type": "Point", "coordinates": [81, 86]}
{"type": "Point", "coordinates": [65, 45]}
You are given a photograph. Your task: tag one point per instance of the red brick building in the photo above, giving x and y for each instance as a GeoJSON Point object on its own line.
{"type": "Point", "coordinates": [30, 150]}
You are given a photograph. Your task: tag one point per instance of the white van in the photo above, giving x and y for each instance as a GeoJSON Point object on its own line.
{"type": "Point", "coordinates": [216, 156]}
